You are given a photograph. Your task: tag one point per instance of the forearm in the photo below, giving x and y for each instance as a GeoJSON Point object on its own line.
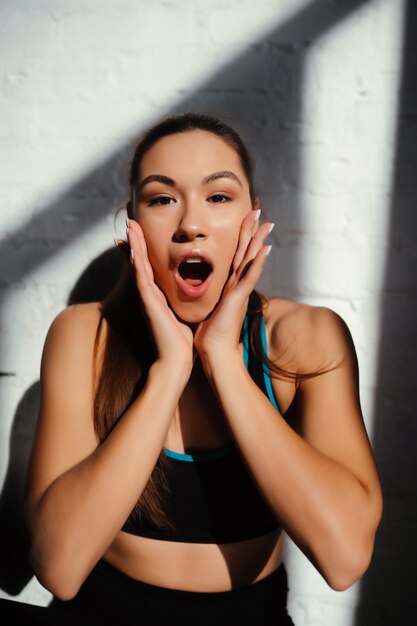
{"type": "Point", "coordinates": [81, 512]}
{"type": "Point", "coordinates": [321, 505]}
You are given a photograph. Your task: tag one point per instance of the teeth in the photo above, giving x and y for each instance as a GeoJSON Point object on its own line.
{"type": "Point", "coordinates": [193, 260]}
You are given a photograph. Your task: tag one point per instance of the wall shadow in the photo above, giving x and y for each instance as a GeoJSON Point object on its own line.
{"type": "Point", "coordinates": [388, 591]}
{"type": "Point", "coordinates": [266, 78]}
{"type": "Point", "coordinates": [15, 572]}
{"type": "Point", "coordinates": [15, 568]}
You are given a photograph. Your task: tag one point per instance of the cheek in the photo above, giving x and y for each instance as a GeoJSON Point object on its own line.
{"type": "Point", "coordinates": [154, 247]}
{"type": "Point", "coordinates": [228, 236]}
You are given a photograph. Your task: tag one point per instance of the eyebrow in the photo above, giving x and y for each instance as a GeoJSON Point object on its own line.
{"type": "Point", "coordinates": [223, 174]}
{"type": "Point", "coordinates": [160, 178]}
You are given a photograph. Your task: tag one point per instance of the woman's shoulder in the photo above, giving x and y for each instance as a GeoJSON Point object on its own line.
{"type": "Point", "coordinates": [297, 316]}
{"type": "Point", "coordinates": [305, 333]}
{"type": "Point", "coordinates": [72, 346]}
{"type": "Point", "coordinates": [76, 326]}
{"type": "Point", "coordinates": [79, 317]}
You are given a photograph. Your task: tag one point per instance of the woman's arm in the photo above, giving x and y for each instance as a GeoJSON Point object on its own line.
{"type": "Point", "coordinates": [80, 493]}
{"type": "Point", "coordinates": [323, 484]}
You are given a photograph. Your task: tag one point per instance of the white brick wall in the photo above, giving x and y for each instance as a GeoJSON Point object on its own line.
{"type": "Point", "coordinates": [312, 86]}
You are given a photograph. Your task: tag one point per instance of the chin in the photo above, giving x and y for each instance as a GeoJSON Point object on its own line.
{"type": "Point", "coordinates": [193, 312]}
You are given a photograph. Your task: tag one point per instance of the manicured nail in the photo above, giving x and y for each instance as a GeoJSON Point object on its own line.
{"type": "Point", "coordinates": [270, 228]}
{"type": "Point", "coordinates": [132, 256]}
{"type": "Point", "coordinates": [268, 250]}
{"type": "Point", "coordinates": [257, 214]}
{"type": "Point", "coordinates": [127, 222]}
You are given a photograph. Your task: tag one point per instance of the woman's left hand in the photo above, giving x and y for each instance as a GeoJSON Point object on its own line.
{"type": "Point", "coordinates": [220, 333]}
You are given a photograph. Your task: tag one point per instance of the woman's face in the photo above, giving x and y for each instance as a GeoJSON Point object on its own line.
{"type": "Point", "coordinates": [192, 196]}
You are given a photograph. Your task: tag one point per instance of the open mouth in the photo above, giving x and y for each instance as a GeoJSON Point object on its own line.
{"type": "Point", "coordinates": [194, 271]}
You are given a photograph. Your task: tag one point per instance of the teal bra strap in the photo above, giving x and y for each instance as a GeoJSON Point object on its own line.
{"type": "Point", "coordinates": [246, 342]}
{"type": "Point", "coordinates": [217, 453]}
{"type": "Point", "coordinates": [266, 372]}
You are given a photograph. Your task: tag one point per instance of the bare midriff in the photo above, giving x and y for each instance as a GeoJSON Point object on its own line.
{"type": "Point", "coordinates": [196, 566]}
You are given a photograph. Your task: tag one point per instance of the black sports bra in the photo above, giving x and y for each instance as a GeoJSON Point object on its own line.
{"type": "Point", "coordinates": [212, 497]}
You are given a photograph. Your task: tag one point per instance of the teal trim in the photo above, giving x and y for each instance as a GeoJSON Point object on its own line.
{"type": "Point", "coordinates": [266, 371]}
{"type": "Point", "coordinates": [219, 452]}
{"type": "Point", "coordinates": [206, 456]}
{"type": "Point", "coordinates": [246, 342]}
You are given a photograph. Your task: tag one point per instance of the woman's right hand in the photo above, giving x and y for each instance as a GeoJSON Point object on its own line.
{"type": "Point", "coordinates": [173, 339]}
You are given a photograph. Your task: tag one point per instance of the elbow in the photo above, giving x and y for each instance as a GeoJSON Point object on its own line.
{"type": "Point", "coordinates": [60, 587]}
{"type": "Point", "coordinates": [349, 572]}
{"type": "Point", "coordinates": [353, 563]}
{"type": "Point", "coordinates": [56, 567]}
{"type": "Point", "coordinates": [53, 562]}
{"type": "Point", "coordinates": [346, 575]}
{"type": "Point", "coordinates": [57, 576]}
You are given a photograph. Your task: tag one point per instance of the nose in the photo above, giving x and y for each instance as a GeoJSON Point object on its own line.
{"type": "Point", "coordinates": [191, 225]}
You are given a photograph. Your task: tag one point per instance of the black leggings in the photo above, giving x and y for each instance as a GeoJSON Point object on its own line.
{"type": "Point", "coordinates": [109, 597]}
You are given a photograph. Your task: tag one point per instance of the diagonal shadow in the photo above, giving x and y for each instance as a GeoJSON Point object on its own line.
{"type": "Point", "coordinates": [251, 79]}
{"type": "Point", "coordinates": [391, 580]}
{"type": "Point", "coordinates": [267, 79]}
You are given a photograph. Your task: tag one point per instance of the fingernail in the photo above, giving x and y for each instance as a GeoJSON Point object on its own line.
{"type": "Point", "coordinates": [257, 214]}
{"type": "Point", "coordinates": [132, 256]}
{"type": "Point", "coordinates": [268, 250]}
{"type": "Point", "coordinates": [127, 222]}
{"type": "Point", "coordinates": [116, 242]}
{"type": "Point", "coordinates": [270, 228]}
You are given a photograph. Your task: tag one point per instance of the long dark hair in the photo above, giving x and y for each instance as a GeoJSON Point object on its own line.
{"type": "Point", "coordinates": [128, 347]}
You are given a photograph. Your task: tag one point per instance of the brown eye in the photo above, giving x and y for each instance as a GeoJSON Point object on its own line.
{"type": "Point", "coordinates": [219, 198]}
{"type": "Point", "coordinates": [160, 200]}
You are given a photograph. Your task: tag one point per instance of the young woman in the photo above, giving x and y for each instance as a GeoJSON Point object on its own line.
{"type": "Point", "coordinates": [187, 420]}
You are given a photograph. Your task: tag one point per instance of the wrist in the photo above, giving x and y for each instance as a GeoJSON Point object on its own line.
{"type": "Point", "coordinates": [220, 362]}
{"type": "Point", "coordinates": [172, 371]}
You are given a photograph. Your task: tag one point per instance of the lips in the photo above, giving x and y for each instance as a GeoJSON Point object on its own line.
{"type": "Point", "coordinates": [192, 271]}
